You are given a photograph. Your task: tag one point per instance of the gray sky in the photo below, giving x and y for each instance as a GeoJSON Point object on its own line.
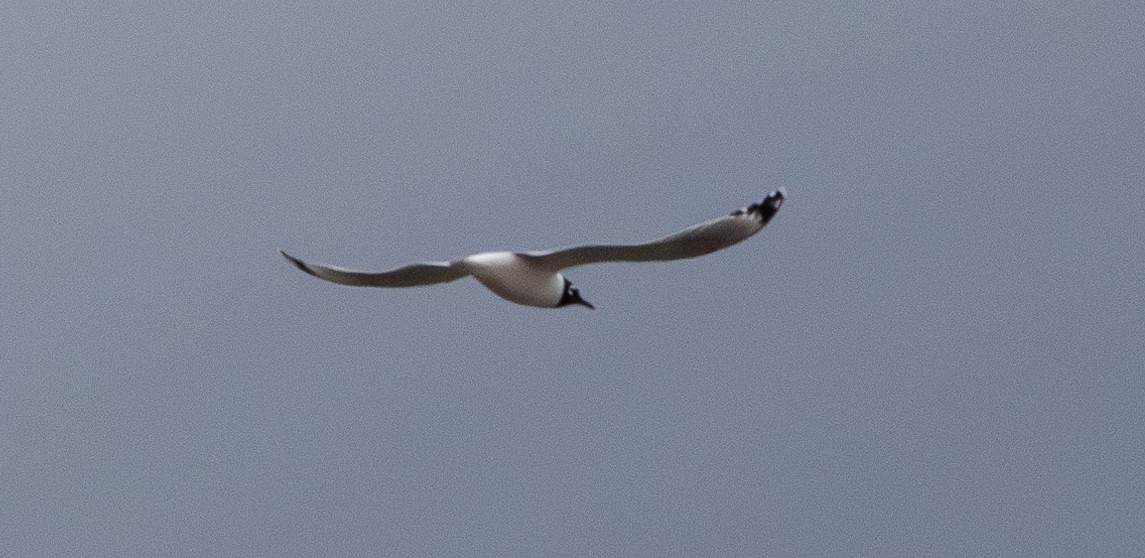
{"type": "Point", "coordinates": [935, 349]}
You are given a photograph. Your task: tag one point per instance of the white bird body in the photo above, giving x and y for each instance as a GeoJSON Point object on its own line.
{"type": "Point", "coordinates": [516, 279]}
{"type": "Point", "coordinates": [534, 278]}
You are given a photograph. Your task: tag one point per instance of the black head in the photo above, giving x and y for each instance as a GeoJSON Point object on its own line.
{"type": "Point", "coordinates": [572, 296]}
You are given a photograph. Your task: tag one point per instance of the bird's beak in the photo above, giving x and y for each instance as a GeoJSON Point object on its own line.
{"type": "Point", "coordinates": [584, 302]}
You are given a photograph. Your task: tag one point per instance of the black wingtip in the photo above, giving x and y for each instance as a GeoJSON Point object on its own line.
{"type": "Point", "coordinates": [767, 208]}
{"type": "Point", "coordinates": [297, 263]}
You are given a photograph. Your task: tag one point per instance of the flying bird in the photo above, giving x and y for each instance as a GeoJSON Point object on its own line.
{"type": "Point", "coordinates": [534, 278]}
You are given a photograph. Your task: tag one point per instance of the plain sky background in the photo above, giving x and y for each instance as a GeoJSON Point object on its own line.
{"type": "Point", "coordinates": [935, 349]}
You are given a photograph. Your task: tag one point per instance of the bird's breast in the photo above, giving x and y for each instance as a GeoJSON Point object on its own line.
{"type": "Point", "coordinates": [515, 279]}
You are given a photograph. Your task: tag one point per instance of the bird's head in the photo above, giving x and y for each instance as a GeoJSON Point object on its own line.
{"type": "Point", "coordinates": [571, 295]}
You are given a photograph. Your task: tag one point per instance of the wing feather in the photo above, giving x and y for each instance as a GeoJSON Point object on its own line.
{"type": "Point", "coordinates": [413, 275]}
{"type": "Point", "coordinates": [692, 242]}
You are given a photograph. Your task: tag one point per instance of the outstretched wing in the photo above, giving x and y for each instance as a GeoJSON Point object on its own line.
{"type": "Point", "coordinates": [694, 241]}
{"type": "Point", "coordinates": [413, 275]}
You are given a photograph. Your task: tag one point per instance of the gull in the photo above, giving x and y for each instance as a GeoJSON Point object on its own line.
{"type": "Point", "coordinates": [534, 278]}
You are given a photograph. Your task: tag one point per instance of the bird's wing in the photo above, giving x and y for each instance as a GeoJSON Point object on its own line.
{"type": "Point", "coordinates": [413, 275]}
{"type": "Point", "coordinates": [694, 241]}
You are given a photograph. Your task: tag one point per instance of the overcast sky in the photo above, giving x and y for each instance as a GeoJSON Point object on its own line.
{"type": "Point", "coordinates": [935, 348]}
